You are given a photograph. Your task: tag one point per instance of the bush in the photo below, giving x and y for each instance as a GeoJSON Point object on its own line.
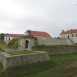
{"type": "Point", "coordinates": [13, 43]}
{"type": "Point", "coordinates": [28, 36]}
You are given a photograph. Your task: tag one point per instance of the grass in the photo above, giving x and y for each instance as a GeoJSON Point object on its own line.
{"type": "Point", "coordinates": [2, 43]}
{"type": "Point", "coordinates": [53, 47]}
{"type": "Point", "coordinates": [21, 52]}
{"type": "Point", "coordinates": [1, 50]}
{"type": "Point", "coordinates": [58, 66]}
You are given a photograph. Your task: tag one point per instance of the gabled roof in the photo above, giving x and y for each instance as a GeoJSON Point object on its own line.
{"type": "Point", "coordinates": [69, 31]}
{"type": "Point", "coordinates": [14, 35]}
{"type": "Point", "coordinates": [38, 33]}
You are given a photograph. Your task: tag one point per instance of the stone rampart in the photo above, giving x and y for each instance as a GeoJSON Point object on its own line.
{"type": "Point", "coordinates": [53, 41]}
{"type": "Point", "coordinates": [60, 51]}
{"type": "Point", "coordinates": [10, 61]}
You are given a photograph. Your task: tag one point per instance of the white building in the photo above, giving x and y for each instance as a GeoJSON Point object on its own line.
{"type": "Point", "coordinates": [70, 34]}
{"type": "Point", "coordinates": [8, 37]}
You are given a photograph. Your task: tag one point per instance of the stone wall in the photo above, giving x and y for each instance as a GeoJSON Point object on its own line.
{"type": "Point", "coordinates": [7, 49]}
{"type": "Point", "coordinates": [7, 41]}
{"type": "Point", "coordinates": [42, 41]}
{"type": "Point", "coordinates": [53, 41]}
{"type": "Point", "coordinates": [10, 61]}
{"type": "Point", "coordinates": [61, 51]}
{"type": "Point", "coordinates": [22, 44]}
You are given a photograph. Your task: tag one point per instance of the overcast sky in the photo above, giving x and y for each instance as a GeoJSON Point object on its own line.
{"type": "Point", "coordinates": [52, 16]}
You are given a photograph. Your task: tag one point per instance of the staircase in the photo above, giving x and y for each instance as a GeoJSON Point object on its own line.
{"type": "Point", "coordinates": [72, 42]}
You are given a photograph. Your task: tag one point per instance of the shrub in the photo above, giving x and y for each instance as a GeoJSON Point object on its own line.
{"type": "Point", "coordinates": [13, 43]}
{"type": "Point", "coordinates": [28, 36]}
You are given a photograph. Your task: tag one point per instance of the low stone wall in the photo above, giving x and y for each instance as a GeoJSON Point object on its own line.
{"type": "Point", "coordinates": [61, 51]}
{"type": "Point", "coordinates": [7, 49]}
{"type": "Point", "coordinates": [10, 61]}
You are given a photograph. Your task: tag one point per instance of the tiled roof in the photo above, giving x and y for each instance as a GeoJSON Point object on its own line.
{"type": "Point", "coordinates": [14, 35]}
{"type": "Point", "coordinates": [38, 33]}
{"type": "Point", "coordinates": [69, 31]}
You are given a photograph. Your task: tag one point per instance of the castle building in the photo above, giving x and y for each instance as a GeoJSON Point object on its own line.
{"type": "Point", "coordinates": [70, 34]}
{"type": "Point", "coordinates": [42, 39]}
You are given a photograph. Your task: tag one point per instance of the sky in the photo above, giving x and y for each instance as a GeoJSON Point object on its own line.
{"type": "Point", "coordinates": [51, 16]}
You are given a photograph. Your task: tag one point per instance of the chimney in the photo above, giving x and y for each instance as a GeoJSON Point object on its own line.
{"type": "Point", "coordinates": [28, 32]}
{"type": "Point", "coordinates": [62, 30]}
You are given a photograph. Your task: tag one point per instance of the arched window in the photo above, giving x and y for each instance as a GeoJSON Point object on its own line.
{"type": "Point", "coordinates": [9, 38]}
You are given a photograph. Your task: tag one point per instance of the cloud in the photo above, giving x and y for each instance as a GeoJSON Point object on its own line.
{"type": "Point", "coordinates": [52, 16]}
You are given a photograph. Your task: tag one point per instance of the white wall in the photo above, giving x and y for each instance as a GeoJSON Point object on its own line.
{"type": "Point", "coordinates": [7, 38]}
{"type": "Point", "coordinates": [73, 38]}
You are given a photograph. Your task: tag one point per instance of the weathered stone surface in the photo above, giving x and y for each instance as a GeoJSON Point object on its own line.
{"type": "Point", "coordinates": [60, 51]}
{"type": "Point", "coordinates": [10, 61]}
{"type": "Point", "coordinates": [42, 41]}
{"type": "Point", "coordinates": [22, 44]}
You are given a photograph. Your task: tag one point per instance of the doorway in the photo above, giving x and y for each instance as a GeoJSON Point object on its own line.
{"type": "Point", "coordinates": [26, 44]}
{"type": "Point", "coordinates": [68, 36]}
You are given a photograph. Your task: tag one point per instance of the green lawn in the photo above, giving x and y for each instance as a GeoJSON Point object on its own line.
{"type": "Point", "coordinates": [1, 50]}
{"type": "Point", "coordinates": [53, 47]}
{"type": "Point", "coordinates": [58, 66]}
{"type": "Point", "coordinates": [21, 52]}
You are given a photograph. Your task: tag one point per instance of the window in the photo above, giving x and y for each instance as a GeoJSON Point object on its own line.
{"type": "Point", "coordinates": [9, 38]}
{"type": "Point", "coordinates": [6, 38]}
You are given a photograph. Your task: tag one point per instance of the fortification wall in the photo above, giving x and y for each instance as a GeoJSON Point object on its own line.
{"type": "Point", "coordinates": [42, 41]}
{"type": "Point", "coordinates": [22, 44]}
{"type": "Point", "coordinates": [10, 61]}
{"type": "Point", "coordinates": [53, 41]}
{"type": "Point", "coordinates": [60, 51]}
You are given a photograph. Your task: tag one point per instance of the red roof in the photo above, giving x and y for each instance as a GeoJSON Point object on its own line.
{"type": "Point", "coordinates": [69, 31]}
{"type": "Point", "coordinates": [38, 33]}
{"type": "Point", "coordinates": [14, 35]}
